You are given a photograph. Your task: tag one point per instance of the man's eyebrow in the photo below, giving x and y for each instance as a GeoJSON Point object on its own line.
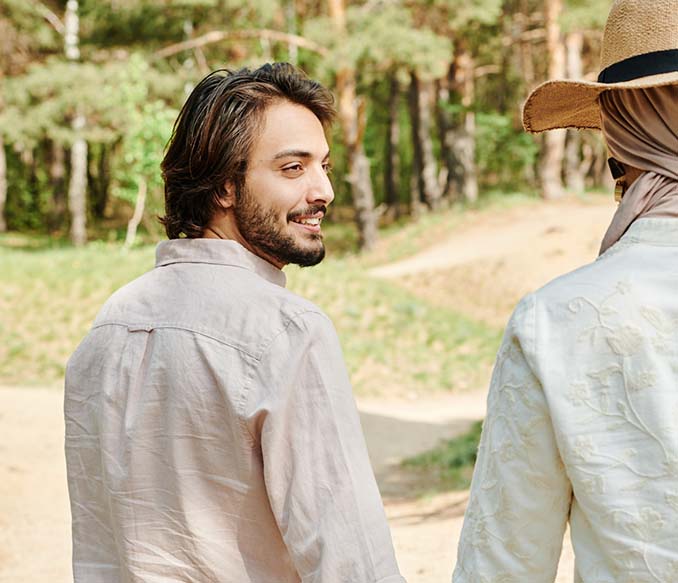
{"type": "Point", "coordinates": [297, 154]}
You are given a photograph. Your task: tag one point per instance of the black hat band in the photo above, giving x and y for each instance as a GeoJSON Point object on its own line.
{"type": "Point", "coordinates": [646, 65]}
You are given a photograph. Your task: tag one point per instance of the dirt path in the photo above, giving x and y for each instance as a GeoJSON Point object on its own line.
{"type": "Point", "coordinates": [492, 260]}
{"type": "Point", "coordinates": [34, 516]}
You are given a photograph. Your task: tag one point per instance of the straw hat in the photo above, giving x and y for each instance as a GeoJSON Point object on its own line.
{"type": "Point", "coordinates": [640, 49]}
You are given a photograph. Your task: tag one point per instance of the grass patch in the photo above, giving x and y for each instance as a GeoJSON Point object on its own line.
{"type": "Point", "coordinates": [48, 300]}
{"type": "Point", "coordinates": [450, 465]}
{"type": "Point", "coordinates": [394, 342]}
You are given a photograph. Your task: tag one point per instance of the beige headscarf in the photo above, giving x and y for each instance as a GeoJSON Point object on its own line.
{"type": "Point", "coordinates": [641, 130]}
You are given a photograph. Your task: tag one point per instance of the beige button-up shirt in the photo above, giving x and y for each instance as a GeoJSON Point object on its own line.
{"type": "Point", "coordinates": [211, 434]}
{"type": "Point", "coordinates": [582, 426]}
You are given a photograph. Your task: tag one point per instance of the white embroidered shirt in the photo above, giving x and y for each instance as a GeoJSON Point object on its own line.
{"type": "Point", "coordinates": [582, 424]}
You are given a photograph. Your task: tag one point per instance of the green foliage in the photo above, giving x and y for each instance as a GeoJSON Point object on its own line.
{"type": "Point", "coordinates": [28, 196]}
{"type": "Point", "coordinates": [25, 19]}
{"type": "Point", "coordinates": [150, 127]}
{"type": "Point", "coordinates": [136, 22]}
{"type": "Point", "coordinates": [382, 38]}
{"type": "Point", "coordinates": [451, 463]}
{"type": "Point", "coordinates": [472, 13]}
{"type": "Point", "coordinates": [585, 14]}
{"type": "Point", "coordinates": [503, 152]}
{"type": "Point", "coordinates": [42, 103]}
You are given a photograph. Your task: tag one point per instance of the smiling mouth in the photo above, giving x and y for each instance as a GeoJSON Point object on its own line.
{"type": "Point", "coordinates": [308, 221]}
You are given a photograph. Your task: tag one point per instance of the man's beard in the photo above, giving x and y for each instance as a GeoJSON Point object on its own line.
{"type": "Point", "coordinates": [261, 229]}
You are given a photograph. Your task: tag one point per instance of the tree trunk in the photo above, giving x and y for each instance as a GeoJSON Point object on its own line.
{"type": "Point", "coordinates": [77, 188]}
{"type": "Point", "coordinates": [463, 143]}
{"type": "Point", "coordinates": [392, 154]}
{"type": "Point", "coordinates": [352, 121]}
{"type": "Point", "coordinates": [444, 121]}
{"type": "Point", "coordinates": [3, 185]}
{"type": "Point", "coordinates": [526, 46]}
{"type": "Point", "coordinates": [574, 171]}
{"type": "Point", "coordinates": [291, 19]}
{"type": "Point", "coordinates": [98, 179]}
{"type": "Point", "coordinates": [133, 223]}
{"type": "Point", "coordinates": [421, 97]}
{"type": "Point", "coordinates": [553, 150]}
{"type": "Point", "coordinates": [57, 178]}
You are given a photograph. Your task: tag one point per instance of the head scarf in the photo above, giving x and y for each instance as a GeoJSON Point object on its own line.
{"type": "Point", "coordinates": [641, 130]}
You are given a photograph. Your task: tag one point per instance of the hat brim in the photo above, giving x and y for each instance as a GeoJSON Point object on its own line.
{"type": "Point", "coordinates": [574, 104]}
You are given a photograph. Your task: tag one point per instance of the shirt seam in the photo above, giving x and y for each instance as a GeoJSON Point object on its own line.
{"type": "Point", "coordinates": [173, 326]}
{"type": "Point", "coordinates": [247, 386]}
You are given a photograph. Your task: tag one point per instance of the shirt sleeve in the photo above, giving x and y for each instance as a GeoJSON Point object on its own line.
{"type": "Point", "coordinates": [520, 495]}
{"type": "Point", "coordinates": [318, 476]}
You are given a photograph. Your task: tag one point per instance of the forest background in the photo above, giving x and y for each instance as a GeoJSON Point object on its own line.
{"type": "Point", "coordinates": [429, 94]}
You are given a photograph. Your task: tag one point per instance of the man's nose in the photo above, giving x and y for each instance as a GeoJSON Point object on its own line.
{"type": "Point", "coordinates": [320, 188]}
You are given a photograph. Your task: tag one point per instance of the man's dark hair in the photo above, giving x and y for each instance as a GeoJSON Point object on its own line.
{"type": "Point", "coordinates": [214, 133]}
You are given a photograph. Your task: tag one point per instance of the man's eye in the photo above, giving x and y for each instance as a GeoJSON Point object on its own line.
{"type": "Point", "coordinates": [327, 168]}
{"type": "Point", "coordinates": [293, 168]}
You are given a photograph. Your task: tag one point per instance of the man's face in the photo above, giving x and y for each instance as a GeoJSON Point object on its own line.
{"type": "Point", "coordinates": [279, 210]}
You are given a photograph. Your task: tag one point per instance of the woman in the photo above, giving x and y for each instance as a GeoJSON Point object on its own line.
{"type": "Point", "coordinates": [582, 421]}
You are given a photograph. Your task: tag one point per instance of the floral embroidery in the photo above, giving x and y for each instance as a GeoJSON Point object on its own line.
{"type": "Point", "coordinates": [595, 425]}
{"type": "Point", "coordinates": [626, 341]}
{"type": "Point", "coordinates": [579, 393]}
{"type": "Point", "coordinates": [672, 500]}
{"type": "Point", "coordinates": [641, 380]}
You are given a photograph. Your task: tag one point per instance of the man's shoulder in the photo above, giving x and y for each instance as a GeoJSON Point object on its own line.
{"type": "Point", "coordinates": [237, 308]}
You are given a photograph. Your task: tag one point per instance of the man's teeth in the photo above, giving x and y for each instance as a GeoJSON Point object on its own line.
{"type": "Point", "coordinates": [311, 221]}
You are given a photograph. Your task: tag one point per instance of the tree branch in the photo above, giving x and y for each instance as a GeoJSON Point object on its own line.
{"type": "Point", "coordinates": [219, 35]}
{"type": "Point", "coordinates": [49, 16]}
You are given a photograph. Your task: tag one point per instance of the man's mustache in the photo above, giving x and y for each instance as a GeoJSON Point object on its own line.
{"type": "Point", "coordinates": [308, 211]}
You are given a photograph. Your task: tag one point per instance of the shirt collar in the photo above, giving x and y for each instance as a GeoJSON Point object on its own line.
{"type": "Point", "coordinates": [216, 252]}
{"type": "Point", "coordinates": [653, 231]}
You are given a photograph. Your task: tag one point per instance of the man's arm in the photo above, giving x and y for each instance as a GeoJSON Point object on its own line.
{"type": "Point", "coordinates": [318, 476]}
{"type": "Point", "coordinates": [520, 496]}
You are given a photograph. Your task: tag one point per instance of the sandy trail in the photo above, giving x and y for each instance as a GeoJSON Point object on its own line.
{"type": "Point", "coordinates": [34, 515]}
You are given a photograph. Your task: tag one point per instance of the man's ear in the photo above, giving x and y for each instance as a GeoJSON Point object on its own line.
{"type": "Point", "coordinates": [227, 200]}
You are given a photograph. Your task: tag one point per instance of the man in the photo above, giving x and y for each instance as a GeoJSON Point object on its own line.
{"type": "Point", "coordinates": [582, 416]}
{"type": "Point", "coordinates": [211, 434]}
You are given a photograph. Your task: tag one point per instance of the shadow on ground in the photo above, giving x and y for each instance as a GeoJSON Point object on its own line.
{"type": "Point", "coordinates": [393, 439]}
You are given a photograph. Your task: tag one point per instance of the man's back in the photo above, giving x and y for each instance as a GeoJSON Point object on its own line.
{"type": "Point", "coordinates": [194, 410]}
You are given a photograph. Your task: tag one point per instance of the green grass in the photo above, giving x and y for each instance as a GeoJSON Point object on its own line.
{"type": "Point", "coordinates": [450, 465]}
{"type": "Point", "coordinates": [48, 299]}
{"type": "Point", "coordinates": [394, 342]}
